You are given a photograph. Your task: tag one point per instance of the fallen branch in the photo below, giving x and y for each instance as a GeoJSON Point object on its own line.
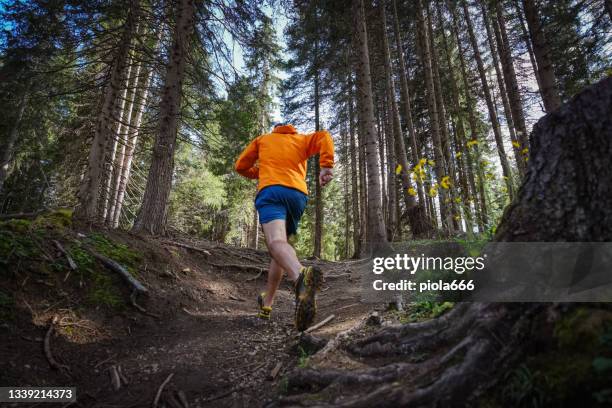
{"type": "Point", "coordinates": [22, 216]}
{"type": "Point", "coordinates": [114, 375]}
{"type": "Point", "coordinates": [71, 262]}
{"type": "Point", "coordinates": [276, 370]}
{"type": "Point", "coordinates": [239, 266]}
{"type": "Point", "coordinates": [178, 244]}
{"type": "Point", "coordinates": [320, 324]}
{"type": "Point", "coordinates": [347, 306]}
{"type": "Point", "coordinates": [116, 267]}
{"type": "Point", "coordinates": [47, 347]}
{"type": "Point", "coordinates": [183, 398]}
{"type": "Point", "coordinates": [340, 275]}
{"type": "Point", "coordinates": [121, 376]}
{"type": "Point", "coordinates": [140, 308]}
{"type": "Point", "coordinates": [160, 389]}
{"type": "Point", "coordinates": [194, 314]}
{"type": "Point", "coordinates": [255, 277]}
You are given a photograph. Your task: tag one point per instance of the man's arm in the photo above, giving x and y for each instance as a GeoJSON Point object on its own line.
{"type": "Point", "coordinates": [245, 165]}
{"type": "Point", "coordinates": [322, 143]}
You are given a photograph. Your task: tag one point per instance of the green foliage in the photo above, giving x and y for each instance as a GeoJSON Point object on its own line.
{"type": "Point", "coordinates": [101, 286]}
{"type": "Point", "coordinates": [197, 197]}
{"type": "Point", "coordinates": [303, 357]}
{"type": "Point", "coordinates": [118, 252]}
{"type": "Point", "coordinates": [58, 219]}
{"type": "Point", "coordinates": [419, 311]}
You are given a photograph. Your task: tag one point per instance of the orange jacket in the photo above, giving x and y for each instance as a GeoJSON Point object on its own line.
{"type": "Point", "coordinates": [283, 155]}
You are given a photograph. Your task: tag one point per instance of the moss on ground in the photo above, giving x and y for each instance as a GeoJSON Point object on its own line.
{"type": "Point", "coordinates": [23, 240]}
{"type": "Point", "coordinates": [575, 370]}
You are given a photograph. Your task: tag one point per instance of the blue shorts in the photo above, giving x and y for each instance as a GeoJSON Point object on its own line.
{"type": "Point", "coordinates": [281, 203]}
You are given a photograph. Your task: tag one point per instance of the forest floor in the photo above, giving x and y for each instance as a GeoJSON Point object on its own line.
{"type": "Point", "coordinates": [194, 336]}
{"type": "Point", "coordinates": [204, 331]}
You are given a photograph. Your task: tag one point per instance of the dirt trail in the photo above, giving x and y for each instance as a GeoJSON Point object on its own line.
{"type": "Point", "coordinates": [206, 336]}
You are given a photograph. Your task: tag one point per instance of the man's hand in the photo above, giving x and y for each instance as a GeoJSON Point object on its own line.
{"type": "Point", "coordinates": [325, 175]}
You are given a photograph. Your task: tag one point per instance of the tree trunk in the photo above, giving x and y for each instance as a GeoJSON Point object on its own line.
{"type": "Point", "coordinates": [466, 174]}
{"type": "Point", "coordinates": [89, 190]}
{"type": "Point", "coordinates": [480, 200]}
{"type": "Point", "coordinates": [511, 96]}
{"type": "Point", "coordinates": [318, 231]}
{"type": "Point", "coordinates": [376, 234]}
{"type": "Point", "coordinates": [527, 41]}
{"type": "Point", "coordinates": [152, 215]}
{"type": "Point", "coordinates": [416, 220]}
{"type": "Point", "coordinates": [113, 143]}
{"type": "Point", "coordinates": [405, 94]}
{"type": "Point", "coordinates": [490, 106]}
{"type": "Point", "coordinates": [440, 168]}
{"type": "Point", "coordinates": [140, 103]}
{"type": "Point", "coordinates": [449, 164]}
{"type": "Point", "coordinates": [550, 91]}
{"type": "Point", "coordinates": [391, 195]}
{"type": "Point", "coordinates": [566, 196]}
{"type": "Point", "coordinates": [567, 193]}
{"type": "Point", "coordinates": [354, 184]}
{"type": "Point", "coordinates": [7, 150]}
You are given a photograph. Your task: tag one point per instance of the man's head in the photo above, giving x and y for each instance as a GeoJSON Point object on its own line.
{"type": "Point", "coordinates": [279, 124]}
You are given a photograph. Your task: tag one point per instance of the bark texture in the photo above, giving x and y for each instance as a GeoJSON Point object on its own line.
{"type": "Point", "coordinates": [152, 215]}
{"type": "Point", "coordinates": [7, 150]}
{"type": "Point", "coordinates": [548, 81]}
{"type": "Point", "coordinates": [566, 196]}
{"type": "Point", "coordinates": [376, 234]}
{"type": "Point", "coordinates": [89, 190]}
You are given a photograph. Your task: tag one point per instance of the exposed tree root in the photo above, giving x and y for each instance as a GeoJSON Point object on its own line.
{"type": "Point", "coordinates": [475, 355]}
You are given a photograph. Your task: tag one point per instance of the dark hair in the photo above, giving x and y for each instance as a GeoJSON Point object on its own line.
{"type": "Point", "coordinates": [279, 124]}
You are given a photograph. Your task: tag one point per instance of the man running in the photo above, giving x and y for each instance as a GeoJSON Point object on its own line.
{"type": "Point", "coordinates": [279, 161]}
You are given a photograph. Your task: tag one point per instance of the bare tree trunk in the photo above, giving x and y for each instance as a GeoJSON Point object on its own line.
{"type": "Point", "coordinates": [7, 150]}
{"type": "Point", "coordinates": [466, 174]}
{"type": "Point", "coordinates": [405, 94]}
{"type": "Point", "coordinates": [318, 231]}
{"type": "Point", "coordinates": [449, 164]}
{"type": "Point", "coordinates": [526, 40]}
{"type": "Point", "coordinates": [490, 106]}
{"type": "Point", "coordinates": [550, 91]}
{"type": "Point", "coordinates": [416, 220]}
{"type": "Point", "coordinates": [89, 190]}
{"type": "Point", "coordinates": [153, 212]}
{"type": "Point", "coordinates": [480, 201]}
{"type": "Point", "coordinates": [131, 140]}
{"type": "Point", "coordinates": [392, 219]}
{"type": "Point", "coordinates": [118, 145]}
{"type": "Point", "coordinates": [354, 185]}
{"type": "Point", "coordinates": [508, 85]}
{"type": "Point", "coordinates": [376, 234]}
{"type": "Point", "coordinates": [439, 167]}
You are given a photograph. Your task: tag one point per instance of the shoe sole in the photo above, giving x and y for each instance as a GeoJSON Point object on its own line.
{"type": "Point", "coordinates": [306, 308]}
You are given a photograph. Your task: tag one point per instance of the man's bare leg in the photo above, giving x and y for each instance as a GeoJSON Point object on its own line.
{"type": "Point", "coordinates": [275, 274]}
{"type": "Point", "coordinates": [282, 252]}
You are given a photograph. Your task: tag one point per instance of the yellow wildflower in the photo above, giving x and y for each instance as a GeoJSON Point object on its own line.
{"type": "Point", "coordinates": [422, 161]}
{"type": "Point", "coordinates": [472, 142]}
{"type": "Point", "coordinates": [516, 144]}
{"type": "Point", "coordinates": [433, 191]}
{"type": "Point", "coordinates": [412, 191]}
{"type": "Point", "coordinates": [525, 150]}
{"type": "Point", "coordinates": [398, 169]}
{"type": "Point", "coordinates": [457, 217]}
{"type": "Point", "coordinates": [458, 155]}
{"type": "Point", "coordinates": [431, 162]}
{"type": "Point", "coordinates": [457, 200]}
{"type": "Point", "coordinates": [445, 182]}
